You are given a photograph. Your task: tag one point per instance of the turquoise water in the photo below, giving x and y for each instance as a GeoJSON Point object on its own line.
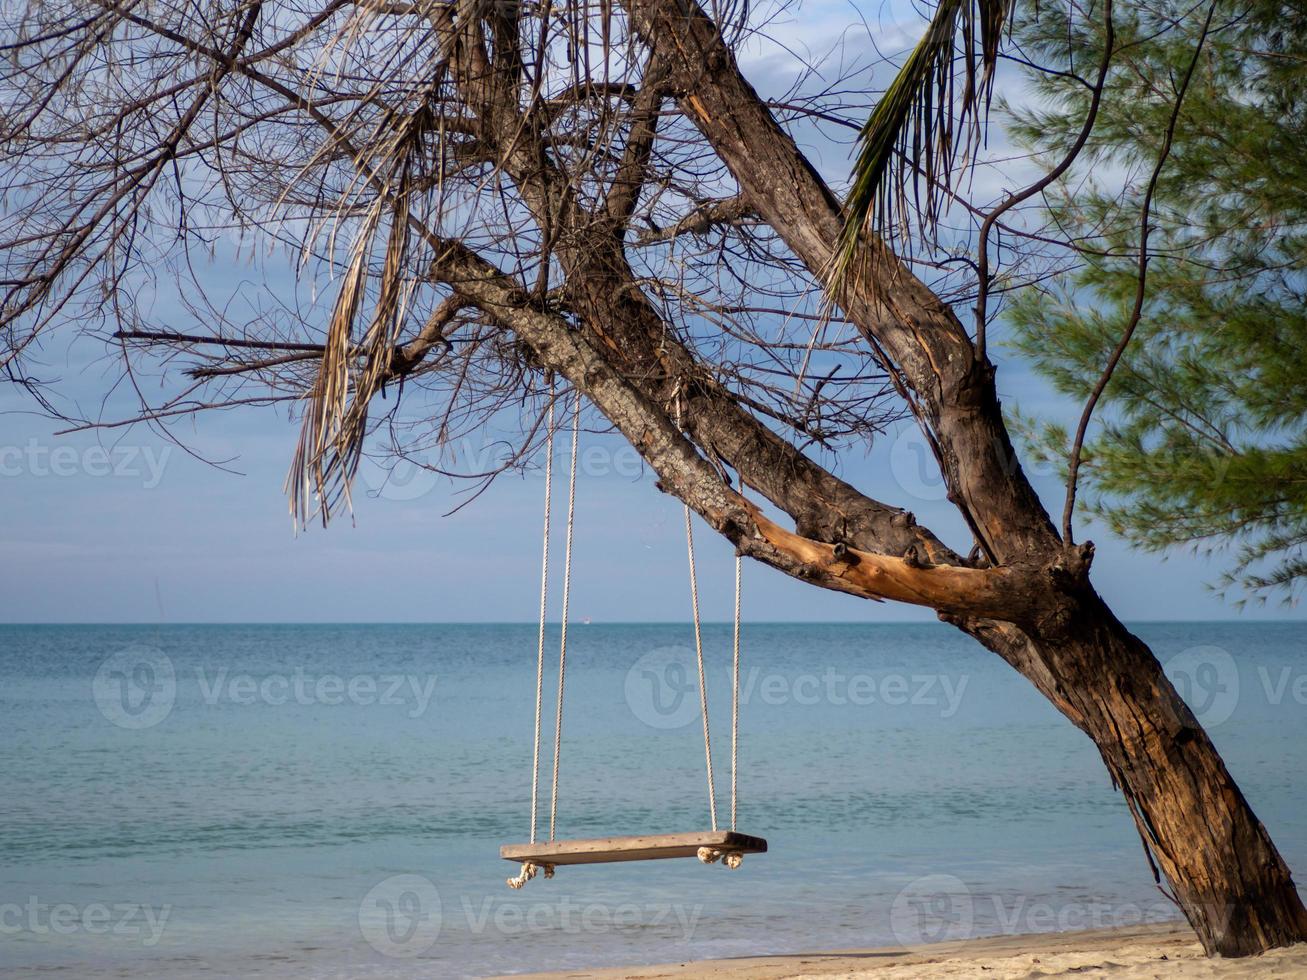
{"type": "Point", "coordinates": [295, 801]}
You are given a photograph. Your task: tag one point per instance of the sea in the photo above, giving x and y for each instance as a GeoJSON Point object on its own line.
{"type": "Point", "coordinates": [329, 800]}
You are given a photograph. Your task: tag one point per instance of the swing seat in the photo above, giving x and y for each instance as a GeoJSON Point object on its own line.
{"type": "Point", "coordinates": [641, 847]}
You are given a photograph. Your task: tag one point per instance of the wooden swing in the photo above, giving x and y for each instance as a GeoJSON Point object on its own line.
{"type": "Point", "coordinates": [709, 846]}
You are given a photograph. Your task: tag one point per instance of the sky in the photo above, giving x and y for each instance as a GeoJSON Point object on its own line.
{"type": "Point", "coordinates": [122, 526]}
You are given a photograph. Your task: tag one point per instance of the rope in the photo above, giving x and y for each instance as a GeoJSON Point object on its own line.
{"type": "Point", "coordinates": [698, 649]}
{"type": "Point", "coordinates": [698, 646]}
{"type": "Point", "coordinates": [529, 870]}
{"type": "Point", "coordinates": [567, 591]}
{"type": "Point", "coordinates": [735, 694]}
{"type": "Point", "coordinates": [707, 855]}
{"type": "Point", "coordinates": [544, 596]}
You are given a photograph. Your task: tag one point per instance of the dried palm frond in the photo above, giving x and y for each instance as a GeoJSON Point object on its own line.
{"type": "Point", "coordinates": [352, 372]}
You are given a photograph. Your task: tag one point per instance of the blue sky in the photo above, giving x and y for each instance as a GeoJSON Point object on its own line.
{"type": "Point", "coordinates": [136, 530]}
{"type": "Point", "coordinates": [120, 525]}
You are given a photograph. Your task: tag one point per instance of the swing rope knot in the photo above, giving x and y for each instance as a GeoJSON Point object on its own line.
{"type": "Point", "coordinates": [529, 870]}
{"type": "Point", "coordinates": [729, 859]}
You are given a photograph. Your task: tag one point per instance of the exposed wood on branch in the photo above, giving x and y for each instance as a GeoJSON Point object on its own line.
{"type": "Point", "coordinates": [964, 591]}
{"type": "Point", "coordinates": [986, 592]}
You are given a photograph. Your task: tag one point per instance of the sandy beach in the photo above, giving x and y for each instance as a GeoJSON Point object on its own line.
{"type": "Point", "coordinates": [1141, 953]}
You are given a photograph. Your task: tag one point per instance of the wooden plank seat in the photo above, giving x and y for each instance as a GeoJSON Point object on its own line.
{"type": "Point", "coordinates": [640, 847]}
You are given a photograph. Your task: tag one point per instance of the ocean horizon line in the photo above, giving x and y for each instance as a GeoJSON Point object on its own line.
{"type": "Point", "coordinates": [590, 621]}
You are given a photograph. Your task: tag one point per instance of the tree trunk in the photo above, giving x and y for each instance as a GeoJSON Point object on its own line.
{"type": "Point", "coordinates": [1223, 869]}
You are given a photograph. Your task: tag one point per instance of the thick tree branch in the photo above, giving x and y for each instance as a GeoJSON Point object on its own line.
{"type": "Point", "coordinates": [917, 330]}
{"type": "Point", "coordinates": [1005, 593]}
{"type": "Point", "coordinates": [604, 292]}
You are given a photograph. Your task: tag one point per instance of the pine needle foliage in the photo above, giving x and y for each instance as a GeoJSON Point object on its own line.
{"type": "Point", "coordinates": [1203, 438]}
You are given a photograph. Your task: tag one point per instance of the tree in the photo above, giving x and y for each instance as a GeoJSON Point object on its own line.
{"type": "Point", "coordinates": [506, 194]}
{"type": "Point", "coordinates": [1207, 438]}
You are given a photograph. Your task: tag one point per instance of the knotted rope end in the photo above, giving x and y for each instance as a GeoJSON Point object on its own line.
{"type": "Point", "coordinates": [529, 870]}
{"type": "Point", "coordinates": [729, 859]}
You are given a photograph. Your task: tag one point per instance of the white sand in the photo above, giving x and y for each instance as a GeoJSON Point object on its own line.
{"type": "Point", "coordinates": [1142, 953]}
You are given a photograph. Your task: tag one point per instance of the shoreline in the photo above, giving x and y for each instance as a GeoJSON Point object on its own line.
{"type": "Point", "coordinates": [1128, 953]}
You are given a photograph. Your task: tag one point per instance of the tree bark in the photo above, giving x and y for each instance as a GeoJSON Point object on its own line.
{"type": "Point", "coordinates": [1223, 869]}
